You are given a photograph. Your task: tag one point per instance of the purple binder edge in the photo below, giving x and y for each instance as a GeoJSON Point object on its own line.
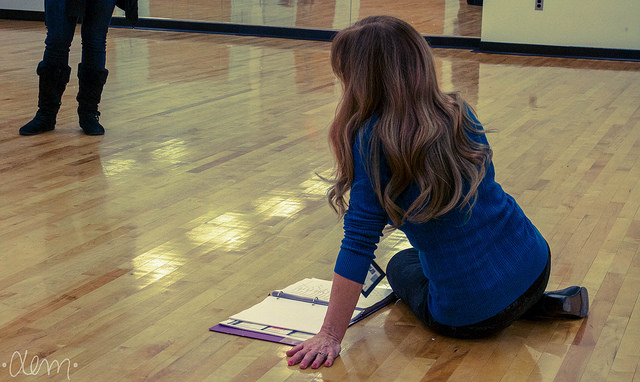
{"type": "Point", "coordinates": [249, 334]}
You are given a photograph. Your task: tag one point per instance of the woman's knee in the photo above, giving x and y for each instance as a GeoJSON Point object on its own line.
{"type": "Point", "coordinates": [403, 264]}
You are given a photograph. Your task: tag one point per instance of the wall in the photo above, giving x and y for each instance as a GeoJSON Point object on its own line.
{"type": "Point", "coordinates": [613, 24]}
{"type": "Point", "coordinates": [22, 5]}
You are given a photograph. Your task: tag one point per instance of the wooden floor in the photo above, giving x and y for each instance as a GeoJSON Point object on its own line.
{"type": "Point", "coordinates": [117, 253]}
{"type": "Point", "coordinates": [431, 17]}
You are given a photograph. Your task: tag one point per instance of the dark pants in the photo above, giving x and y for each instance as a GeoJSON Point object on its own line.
{"type": "Point", "coordinates": [405, 276]}
{"type": "Point", "coordinates": [61, 27]}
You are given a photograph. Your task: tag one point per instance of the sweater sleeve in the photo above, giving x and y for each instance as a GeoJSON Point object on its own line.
{"type": "Point", "coordinates": [363, 224]}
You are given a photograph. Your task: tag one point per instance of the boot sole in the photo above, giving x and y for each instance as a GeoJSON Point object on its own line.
{"type": "Point", "coordinates": [571, 302]}
{"type": "Point", "coordinates": [577, 305]}
{"type": "Point", "coordinates": [31, 133]}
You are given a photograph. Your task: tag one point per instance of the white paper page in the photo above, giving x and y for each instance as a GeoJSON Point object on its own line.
{"type": "Point", "coordinates": [311, 288]}
{"type": "Point", "coordinates": [285, 313]}
{"type": "Point", "coordinates": [321, 289]}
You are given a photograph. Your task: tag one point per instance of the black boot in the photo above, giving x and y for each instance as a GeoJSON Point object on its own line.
{"type": "Point", "coordinates": [52, 82]}
{"type": "Point", "coordinates": [90, 85]}
{"type": "Point", "coordinates": [572, 302]}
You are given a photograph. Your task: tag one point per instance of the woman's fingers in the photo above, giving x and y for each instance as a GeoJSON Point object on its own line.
{"type": "Point", "coordinates": [315, 352]}
{"type": "Point", "coordinates": [294, 350]}
{"type": "Point", "coordinates": [317, 362]}
{"type": "Point", "coordinates": [296, 356]}
{"type": "Point", "coordinates": [305, 359]}
{"type": "Point", "coordinates": [325, 359]}
{"type": "Point", "coordinates": [329, 360]}
{"type": "Point", "coordinates": [313, 358]}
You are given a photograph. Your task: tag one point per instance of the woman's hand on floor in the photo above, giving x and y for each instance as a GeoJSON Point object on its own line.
{"type": "Point", "coordinates": [321, 349]}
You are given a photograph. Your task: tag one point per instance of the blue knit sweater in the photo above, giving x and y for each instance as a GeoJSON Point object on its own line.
{"type": "Point", "coordinates": [477, 264]}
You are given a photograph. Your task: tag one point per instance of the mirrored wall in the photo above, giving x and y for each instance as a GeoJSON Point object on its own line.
{"type": "Point", "coordinates": [430, 17]}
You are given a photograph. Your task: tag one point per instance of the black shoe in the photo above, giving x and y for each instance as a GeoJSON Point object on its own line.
{"type": "Point", "coordinates": [89, 122]}
{"type": "Point", "coordinates": [90, 85]}
{"type": "Point", "coordinates": [52, 83]}
{"type": "Point", "coordinates": [571, 302]}
{"type": "Point", "coordinates": [39, 124]}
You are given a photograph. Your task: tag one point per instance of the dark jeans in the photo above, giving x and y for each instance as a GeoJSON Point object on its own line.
{"type": "Point", "coordinates": [60, 30]}
{"type": "Point", "coordinates": [405, 276]}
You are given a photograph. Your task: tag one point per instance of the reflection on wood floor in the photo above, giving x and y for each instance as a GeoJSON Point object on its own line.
{"type": "Point", "coordinates": [119, 252]}
{"type": "Point", "coordinates": [430, 17]}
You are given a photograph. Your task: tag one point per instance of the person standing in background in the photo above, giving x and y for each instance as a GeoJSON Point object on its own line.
{"type": "Point", "coordinates": [61, 18]}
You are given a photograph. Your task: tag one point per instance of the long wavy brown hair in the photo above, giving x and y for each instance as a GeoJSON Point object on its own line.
{"type": "Point", "coordinates": [387, 69]}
